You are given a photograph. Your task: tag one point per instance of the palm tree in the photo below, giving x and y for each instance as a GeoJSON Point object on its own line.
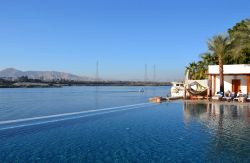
{"type": "Point", "coordinates": [208, 58]}
{"type": "Point", "coordinates": [219, 46]}
{"type": "Point", "coordinates": [202, 70]}
{"type": "Point", "coordinates": [240, 41]}
{"type": "Point", "coordinates": [192, 69]}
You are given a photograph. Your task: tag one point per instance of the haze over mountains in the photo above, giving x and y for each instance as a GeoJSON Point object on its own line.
{"type": "Point", "coordinates": [44, 75]}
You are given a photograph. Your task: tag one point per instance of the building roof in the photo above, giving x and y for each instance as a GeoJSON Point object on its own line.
{"type": "Point", "coordinates": [237, 69]}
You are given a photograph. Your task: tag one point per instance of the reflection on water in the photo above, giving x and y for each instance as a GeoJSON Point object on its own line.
{"type": "Point", "coordinates": [96, 97]}
{"type": "Point", "coordinates": [228, 125]}
{"type": "Point", "coordinates": [216, 111]}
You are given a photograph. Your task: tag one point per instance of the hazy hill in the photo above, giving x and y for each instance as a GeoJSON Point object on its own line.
{"type": "Point", "coordinates": [44, 75]}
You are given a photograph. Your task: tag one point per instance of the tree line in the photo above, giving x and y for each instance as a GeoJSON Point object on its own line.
{"type": "Point", "coordinates": [233, 47]}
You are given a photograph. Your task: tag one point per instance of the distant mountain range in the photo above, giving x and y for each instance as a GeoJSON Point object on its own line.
{"type": "Point", "coordinates": [43, 75]}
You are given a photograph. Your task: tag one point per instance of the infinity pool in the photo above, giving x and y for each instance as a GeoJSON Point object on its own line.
{"type": "Point", "coordinates": [117, 124]}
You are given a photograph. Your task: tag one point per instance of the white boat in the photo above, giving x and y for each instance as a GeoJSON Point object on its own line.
{"type": "Point", "coordinates": [177, 89]}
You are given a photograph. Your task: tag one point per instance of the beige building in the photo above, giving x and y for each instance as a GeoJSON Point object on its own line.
{"type": "Point", "coordinates": [236, 77]}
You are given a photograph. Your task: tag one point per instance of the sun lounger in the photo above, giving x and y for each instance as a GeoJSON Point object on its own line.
{"type": "Point", "coordinates": [248, 98]}
{"type": "Point", "coordinates": [217, 97]}
{"type": "Point", "coordinates": [236, 98]}
{"type": "Point", "coordinates": [228, 98]}
{"type": "Point", "coordinates": [241, 98]}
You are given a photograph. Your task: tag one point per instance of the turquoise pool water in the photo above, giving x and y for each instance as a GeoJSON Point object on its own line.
{"type": "Point", "coordinates": [116, 124]}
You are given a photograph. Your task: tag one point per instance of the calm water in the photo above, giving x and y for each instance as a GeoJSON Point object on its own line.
{"type": "Point", "coordinates": [116, 124]}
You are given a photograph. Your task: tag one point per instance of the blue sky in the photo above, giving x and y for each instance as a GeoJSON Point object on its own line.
{"type": "Point", "coordinates": [123, 35]}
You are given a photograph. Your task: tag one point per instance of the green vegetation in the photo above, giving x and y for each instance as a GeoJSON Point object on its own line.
{"type": "Point", "coordinates": [231, 48]}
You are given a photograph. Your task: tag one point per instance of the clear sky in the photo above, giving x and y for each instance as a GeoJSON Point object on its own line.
{"type": "Point", "coordinates": [123, 35]}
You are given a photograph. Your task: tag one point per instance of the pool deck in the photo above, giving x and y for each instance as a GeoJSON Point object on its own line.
{"type": "Point", "coordinates": [226, 103]}
{"type": "Point", "coordinates": [197, 101]}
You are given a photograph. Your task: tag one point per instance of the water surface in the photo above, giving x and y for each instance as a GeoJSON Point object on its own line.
{"type": "Point", "coordinates": [167, 132]}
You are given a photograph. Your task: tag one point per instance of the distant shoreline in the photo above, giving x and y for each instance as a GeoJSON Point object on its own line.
{"type": "Point", "coordinates": [11, 84]}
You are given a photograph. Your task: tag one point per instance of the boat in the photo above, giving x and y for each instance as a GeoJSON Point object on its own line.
{"type": "Point", "coordinates": [177, 89]}
{"type": "Point", "coordinates": [141, 90]}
